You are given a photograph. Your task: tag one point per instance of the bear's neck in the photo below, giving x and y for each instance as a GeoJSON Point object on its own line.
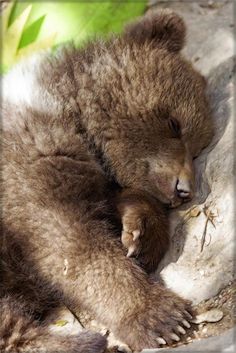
{"type": "Point", "coordinates": [94, 103]}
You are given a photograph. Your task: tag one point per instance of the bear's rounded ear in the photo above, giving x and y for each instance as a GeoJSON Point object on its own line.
{"type": "Point", "coordinates": [164, 28]}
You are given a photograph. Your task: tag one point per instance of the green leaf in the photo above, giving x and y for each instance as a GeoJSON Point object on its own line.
{"type": "Point", "coordinates": [61, 323]}
{"type": "Point", "coordinates": [17, 10]}
{"type": "Point", "coordinates": [31, 33]}
{"type": "Point", "coordinates": [5, 18]}
{"type": "Point", "coordinates": [12, 36]}
{"type": "Point", "coordinates": [38, 45]}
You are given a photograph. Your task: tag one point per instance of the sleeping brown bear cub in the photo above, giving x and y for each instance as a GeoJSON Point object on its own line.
{"type": "Point", "coordinates": [131, 112]}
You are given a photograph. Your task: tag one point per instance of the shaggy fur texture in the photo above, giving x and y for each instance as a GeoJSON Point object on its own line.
{"type": "Point", "coordinates": [145, 227]}
{"type": "Point", "coordinates": [129, 112]}
{"type": "Point", "coordinates": [20, 332]}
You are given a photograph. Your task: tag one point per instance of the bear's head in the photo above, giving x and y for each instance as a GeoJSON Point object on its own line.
{"type": "Point", "coordinates": [152, 108]}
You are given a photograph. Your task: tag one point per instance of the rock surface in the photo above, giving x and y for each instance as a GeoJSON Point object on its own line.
{"type": "Point", "coordinates": [213, 315]}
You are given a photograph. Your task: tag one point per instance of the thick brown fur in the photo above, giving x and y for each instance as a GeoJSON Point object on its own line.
{"type": "Point", "coordinates": [20, 332]}
{"type": "Point", "coordinates": [97, 115]}
{"type": "Point", "coordinates": [141, 213]}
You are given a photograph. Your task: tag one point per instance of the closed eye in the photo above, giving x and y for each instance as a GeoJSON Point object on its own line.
{"type": "Point", "coordinates": [174, 127]}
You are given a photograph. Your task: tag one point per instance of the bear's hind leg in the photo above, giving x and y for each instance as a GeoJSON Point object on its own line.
{"type": "Point", "coordinates": [19, 332]}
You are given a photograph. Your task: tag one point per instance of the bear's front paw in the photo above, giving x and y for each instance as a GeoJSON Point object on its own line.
{"type": "Point", "coordinates": [133, 228]}
{"type": "Point", "coordinates": [161, 320]}
{"type": "Point", "coordinates": [144, 235]}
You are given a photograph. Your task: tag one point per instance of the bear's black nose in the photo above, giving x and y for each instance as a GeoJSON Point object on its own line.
{"type": "Point", "coordinates": [183, 189]}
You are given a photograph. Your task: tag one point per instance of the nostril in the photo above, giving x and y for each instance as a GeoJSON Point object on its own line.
{"type": "Point", "coordinates": [183, 189]}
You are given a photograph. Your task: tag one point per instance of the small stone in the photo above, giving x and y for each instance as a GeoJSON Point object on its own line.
{"type": "Point", "coordinates": [213, 315]}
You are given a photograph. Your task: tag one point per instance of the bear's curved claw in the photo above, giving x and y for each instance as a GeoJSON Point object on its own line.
{"type": "Point", "coordinates": [181, 330]}
{"type": "Point", "coordinates": [161, 341]}
{"type": "Point", "coordinates": [186, 323]}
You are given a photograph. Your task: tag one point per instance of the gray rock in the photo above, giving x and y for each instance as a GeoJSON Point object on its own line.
{"type": "Point", "coordinates": [213, 315]}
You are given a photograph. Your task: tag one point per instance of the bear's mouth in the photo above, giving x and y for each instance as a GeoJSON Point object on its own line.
{"type": "Point", "coordinates": [177, 201]}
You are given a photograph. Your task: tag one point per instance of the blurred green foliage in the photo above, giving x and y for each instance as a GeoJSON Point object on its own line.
{"type": "Point", "coordinates": [31, 26]}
